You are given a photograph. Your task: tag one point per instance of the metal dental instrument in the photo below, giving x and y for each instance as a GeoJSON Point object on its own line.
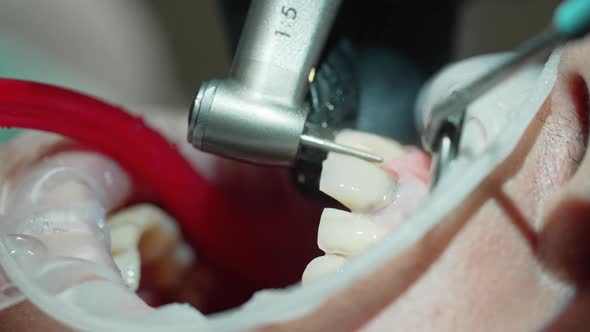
{"type": "Point", "coordinates": [442, 133]}
{"type": "Point", "coordinates": [258, 114]}
{"type": "Point", "coordinates": [330, 146]}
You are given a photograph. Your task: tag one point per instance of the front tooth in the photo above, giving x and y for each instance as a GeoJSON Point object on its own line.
{"type": "Point", "coordinates": [381, 146]}
{"type": "Point", "coordinates": [344, 233]}
{"type": "Point", "coordinates": [321, 266]}
{"type": "Point", "coordinates": [358, 184]}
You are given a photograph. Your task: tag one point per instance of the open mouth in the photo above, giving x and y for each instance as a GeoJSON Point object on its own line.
{"type": "Point", "coordinates": [378, 196]}
{"type": "Point", "coordinates": [63, 238]}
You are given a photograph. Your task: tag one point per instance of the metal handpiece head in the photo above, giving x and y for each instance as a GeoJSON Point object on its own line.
{"type": "Point", "coordinates": [228, 122]}
{"type": "Point", "coordinates": [258, 113]}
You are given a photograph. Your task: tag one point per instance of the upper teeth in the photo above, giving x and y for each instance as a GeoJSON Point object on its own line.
{"type": "Point", "coordinates": [360, 186]}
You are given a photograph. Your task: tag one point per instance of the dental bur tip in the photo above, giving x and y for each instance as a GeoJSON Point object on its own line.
{"type": "Point", "coordinates": [329, 146]}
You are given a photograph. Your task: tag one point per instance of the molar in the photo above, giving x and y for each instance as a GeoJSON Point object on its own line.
{"type": "Point", "coordinates": [144, 234]}
{"type": "Point", "coordinates": [347, 234]}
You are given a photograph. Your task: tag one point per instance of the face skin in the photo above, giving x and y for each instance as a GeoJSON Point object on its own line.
{"type": "Point", "coordinates": [518, 262]}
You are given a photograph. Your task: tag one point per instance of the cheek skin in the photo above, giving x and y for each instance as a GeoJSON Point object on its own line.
{"type": "Point", "coordinates": [490, 272]}
{"type": "Point", "coordinates": [487, 274]}
{"type": "Point", "coordinates": [500, 282]}
{"type": "Point", "coordinates": [26, 317]}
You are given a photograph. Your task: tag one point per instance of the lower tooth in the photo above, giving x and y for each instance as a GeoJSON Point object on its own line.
{"type": "Point", "coordinates": [344, 233]}
{"type": "Point", "coordinates": [322, 266]}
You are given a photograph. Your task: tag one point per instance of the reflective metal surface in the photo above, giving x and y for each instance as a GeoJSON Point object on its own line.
{"type": "Point", "coordinates": [258, 113]}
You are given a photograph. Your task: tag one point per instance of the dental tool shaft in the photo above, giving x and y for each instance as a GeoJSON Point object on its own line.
{"type": "Point", "coordinates": [458, 101]}
{"type": "Point", "coordinates": [571, 20]}
{"type": "Point", "coordinates": [329, 146]}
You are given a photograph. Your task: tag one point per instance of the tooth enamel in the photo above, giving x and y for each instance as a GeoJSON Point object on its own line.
{"type": "Point", "coordinates": [347, 234]}
{"type": "Point", "coordinates": [146, 235]}
{"type": "Point", "coordinates": [359, 185]}
{"type": "Point", "coordinates": [124, 240]}
{"type": "Point", "coordinates": [123, 237]}
{"type": "Point", "coordinates": [381, 146]}
{"type": "Point", "coordinates": [322, 266]}
{"type": "Point", "coordinates": [129, 263]}
{"type": "Point", "coordinates": [157, 232]}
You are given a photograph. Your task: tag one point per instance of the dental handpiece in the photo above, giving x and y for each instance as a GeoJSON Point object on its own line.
{"type": "Point", "coordinates": [258, 114]}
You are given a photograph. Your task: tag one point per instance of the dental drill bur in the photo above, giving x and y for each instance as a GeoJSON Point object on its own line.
{"type": "Point", "coordinates": [442, 133]}
{"type": "Point", "coordinates": [259, 114]}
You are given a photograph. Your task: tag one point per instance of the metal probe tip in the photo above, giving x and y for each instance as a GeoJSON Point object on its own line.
{"type": "Point", "coordinates": [329, 146]}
